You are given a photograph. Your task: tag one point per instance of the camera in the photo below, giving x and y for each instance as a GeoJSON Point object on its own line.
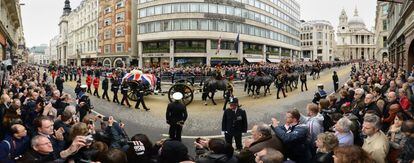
{"type": "Point", "coordinates": [91, 121]}
{"type": "Point", "coordinates": [89, 139]}
{"type": "Point", "coordinates": [198, 140]}
{"type": "Point", "coordinates": [105, 118]}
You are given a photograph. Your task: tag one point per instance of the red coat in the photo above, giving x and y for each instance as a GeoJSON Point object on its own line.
{"type": "Point", "coordinates": [405, 103]}
{"type": "Point", "coordinates": [88, 80]}
{"type": "Point", "coordinates": [96, 82]}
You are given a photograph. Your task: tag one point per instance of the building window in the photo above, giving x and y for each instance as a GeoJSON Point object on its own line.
{"type": "Point", "coordinates": [384, 41]}
{"type": "Point", "coordinates": [108, 10]}
{"type": "Point", "coordinates": [384, 24]}
{"type": "Point", "coordinates": [119, 47]}
{"type": "Point", "coordinates": [120, 17]}
{"type": "Point", "coordinates": [107, 34]}
{"type": "Point", "coordinates": [142, 13]}
{"type": "Point", "coordinates": [166, 8]}
{"type": "Point", "coordinates": [119, 31]}
{"type": "Point", "coordinates": [107, 49]}
{"type": "Point", "coordinates": [120, 4]}
{"type": "Point", "coordinates": [319, 51]}
{"type": "Point", "coordinates": [107, 21]}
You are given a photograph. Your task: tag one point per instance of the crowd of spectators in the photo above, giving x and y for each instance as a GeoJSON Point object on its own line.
{"type": "Point", "coordinates": [371, 120]}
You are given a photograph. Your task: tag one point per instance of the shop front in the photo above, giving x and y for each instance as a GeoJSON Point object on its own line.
{"type": "Point", "coordinates": [224, 61]}
{"type": "Point", "coordinates": [156, 60]}
{"type": "Point", "coordinates": [88, 62]}
{"type": "Point", "coordinates": [189, 61]}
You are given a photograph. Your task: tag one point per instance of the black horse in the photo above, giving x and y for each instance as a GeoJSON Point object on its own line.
{"type": "Point", "coordinates": [254, 83]}
{"type": "Point", "coordinates": [211, 86]}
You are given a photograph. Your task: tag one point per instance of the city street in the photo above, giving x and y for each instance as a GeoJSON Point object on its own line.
{"type": "Point", "coordinates": [205, 121]}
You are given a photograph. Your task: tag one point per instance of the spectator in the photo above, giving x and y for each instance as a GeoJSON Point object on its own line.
{"type": "Point", "coordinates": [351, 154]}
{"type": "Point", "coordinates": [376, 143]}
{"type": "Point", "coordinates": [14, 144]}
{"type": "Point", "coordinates": [325, 143]}
{"type": "Point", "coordinates": [315, 125]}
{"type": "Point", "coordinates": [406, 155]}
{"type": "Point", "coordinates": [293, 136]}
{"type": "Point", "coordinates": [261, 138]}
{"type": "Point", "coordinates": [395, 137]}
{"type": "Point", "coordinates": [4, 105]}
{"type": "Point", "coordinates": [141, 150]}
{"type": "Point", "coordinates": [405, 103]}
{"type": "Point", "coordinates": [173, 151]}
{"type": "Point", "coordinates": [343, 132]}
{"type": "Point", "coordinates": [214, 150]}
{"type": "Point", "coordinates": [65, 123]}
{"type": "Point", "coordinates": [114, 156]}
{"type": "Point", "coordinates": [269, 155]}
{"type": "Point", "coordinates": [44, 126]}
{"type": "Point", "coordinates": [371, 106]}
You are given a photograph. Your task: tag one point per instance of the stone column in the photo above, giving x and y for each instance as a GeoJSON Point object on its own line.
{"type": "Point", "coordinates": [140, 49]}
{"type": "Point", "coordinates": [264, 53]}
{"type": "Point", "coordinates": [171, 53]}
{"type": "Point", "coordinates": [241, 51]}
{"type": "Point", "coordinates": [208, 55]}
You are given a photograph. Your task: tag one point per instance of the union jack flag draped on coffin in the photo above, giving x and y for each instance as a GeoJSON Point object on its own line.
{"type": "Point", "coordinates": [138, 75]}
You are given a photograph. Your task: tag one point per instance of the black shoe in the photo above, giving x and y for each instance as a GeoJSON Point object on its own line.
{"type": "Point", "coordinates": [146, 109]}
{"type": "Point", "coordinates": [277, 98]}
{"type": "Point", "coordinates": [137, 108]}
{"type": "Point", "coordinates": [129, 106]}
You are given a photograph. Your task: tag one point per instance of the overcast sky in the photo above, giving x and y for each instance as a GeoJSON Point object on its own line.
{"type": "Point", "coordinates": [41, 17]}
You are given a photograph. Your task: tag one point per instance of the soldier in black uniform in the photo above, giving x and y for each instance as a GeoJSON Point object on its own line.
{"type": "Point", "coordinates": [303, 80]}
{"type": "Point", "coordinates": [77, 88]}
{"type": "Point", "coordinates": [228, 95]}
{"type": "Point", "coordinates": [124, 92]}
{"type": "Point", "coordinates": [335, 81]}
{"type": "Point", "coordinates": [176, 116]}
{"type": "Point", "coordinates": [84, 104]}
{"type": "Point", "coordinates": [140, 94]}
{"type": "Point", "coordinates": [234, 123]}
{"type": "Point", "coordinates": [59, 84]}
{"type": "Point", "coordinates": [279, 85]}
{"type": "Point", "coordinates": [105, 84]}
{"type": "Point", "coordinates": [114, 89]}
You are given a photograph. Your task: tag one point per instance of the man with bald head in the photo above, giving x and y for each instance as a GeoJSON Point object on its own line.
{"type": "Point", "coordinates": [371, 106]}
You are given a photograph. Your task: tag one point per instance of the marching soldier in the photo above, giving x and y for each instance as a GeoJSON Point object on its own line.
{"type": "Point", "coordinates": [279, 85]}
{"type": "Point", "coordinates": [59, 84]}
{"type": "Point", "coordinates": [114, 89]}
{"type": "Point", "coordinates": [321, 94]}
{"type": "Point", "coordinates": [84, 104]}
{"type": "Point", "coordinates": [124, 92]}
{"type": "Point", "coordinates": [228, 95]}
{"type": "Point", "coordinates": [96, 86]}
{"type": "Point", "coordinates": [303, 80]}
{"type": "Point", "coordinates": [176, 116]}
{"type": "Point", "coordinates": [89, 83]}
{"type": "Point", "coordinates": [140, 94]}
{"type": "Point", "coordinates": [77, 88]}
{"type": "Point", "coordinates": [105, 84]}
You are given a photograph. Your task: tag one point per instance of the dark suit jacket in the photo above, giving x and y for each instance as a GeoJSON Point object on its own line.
{"type": "Point", "coordinates": [234, 121]}
{"type": "Point", "coordinates": [176, 112]}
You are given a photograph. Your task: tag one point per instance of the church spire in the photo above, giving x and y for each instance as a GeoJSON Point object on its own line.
{"type": "Point", "coordinates": [67, 9]}
{"type": "Point", "coordinates": [356, 11]}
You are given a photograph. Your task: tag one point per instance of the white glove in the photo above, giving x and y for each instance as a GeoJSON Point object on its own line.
{"type": "Point", "coordinates": [223, 132]}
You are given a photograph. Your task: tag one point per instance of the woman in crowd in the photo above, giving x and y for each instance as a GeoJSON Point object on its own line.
{"type": "Point", "coordinates": [325, 143]}
{"type": "Point", "coordinates": [396, 138]}
{"type": "Point", "coordinates": [351, 154]}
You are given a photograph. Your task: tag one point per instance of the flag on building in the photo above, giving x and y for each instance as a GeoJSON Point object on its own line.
{"type": "Point", "coordinates": [218, 45]}
{"type": "Point", "coordinates": [236, 43]}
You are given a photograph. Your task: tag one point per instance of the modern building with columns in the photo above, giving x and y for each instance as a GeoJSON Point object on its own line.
{"type": "Point", "coordinates": [198, 32]}
{"type": "Point", "coordinates": [318, 40]}
{"type": "Point", "coordinates": [354, 40]}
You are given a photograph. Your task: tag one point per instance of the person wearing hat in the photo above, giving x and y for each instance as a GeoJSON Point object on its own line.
{"type": "Point", "coordinates": [105, 84]}
{"type": "Point", "coordinates": [335, 81]}
{"type": "Point", "coordinates": [234, 123]}
{"type": "Point", "coordinates": [140, 95]}
{"type": "Point", "coordinates": [321, 94]}
{"type": "Point", "coordinates": [176, 116]}
{"type": "Point", "coordinates": [115, 88]}
{"type": "Point", "coordinates": [227, 95]}
{"type": "Point", "coordinates": [78, 87]}
{"type": "Point", "coordinates": [84, 103]}
{"type": "Point", "coordinates": [96, 82]}
{"type": "Point", "coordinates": [59, 84]}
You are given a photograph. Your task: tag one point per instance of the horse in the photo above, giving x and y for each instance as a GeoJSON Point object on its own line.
{"type": "Point", "coordinates": [254, 83]}
{"type": "Point", "coordinates": [211, 85]}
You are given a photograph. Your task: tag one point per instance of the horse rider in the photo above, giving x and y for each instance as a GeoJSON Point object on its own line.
{"type": "Point", "coordinates": [84, 103]}
{"type": "Point", "coordinates": [114, 89]}
{"type": "Point", "coordinates": [140, 95]}
{"type": "Point", "coordinates": [321, 94]}
{"type": "Point", "coordinates": [303, 79]}
{"type": "Point", "coordinates": [279, 84]}
{"type": "Point", "coordinates": [124, 92]}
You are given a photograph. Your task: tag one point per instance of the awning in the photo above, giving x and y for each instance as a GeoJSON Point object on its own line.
{"type": "Point", "coordinates": [254, 60]}
{"type": "Point", "coordinates": [273, 60]}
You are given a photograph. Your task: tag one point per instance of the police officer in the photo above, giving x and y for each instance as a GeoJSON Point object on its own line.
{"type": "Point", "coordinates": [77, 88]}
{"type": "Point", "coordinates": [176, 116]}
{"type": "Point", "coordinates": [279, 85]}
{"type": "Point", "coordinates": [124, 92]}
{"type": "Point", "coordinates": [321, 94]}
{"type": "Point", "coordinates": [303, 80]}
{"type": "Point", "coordinates": [114, 89]}
{"type": "Point", "coordinates": [335, 81]}
{"type": "Point", "coordinates": [140, 94]}
{"type": "Point", "coordinates": [234, 123]}
{"type": "Point", "coordinates": [84, 104]}
{"type": "Point", "coordinates": [105, 84]}
{"type": "Point", "coordinates": [59, 83]}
